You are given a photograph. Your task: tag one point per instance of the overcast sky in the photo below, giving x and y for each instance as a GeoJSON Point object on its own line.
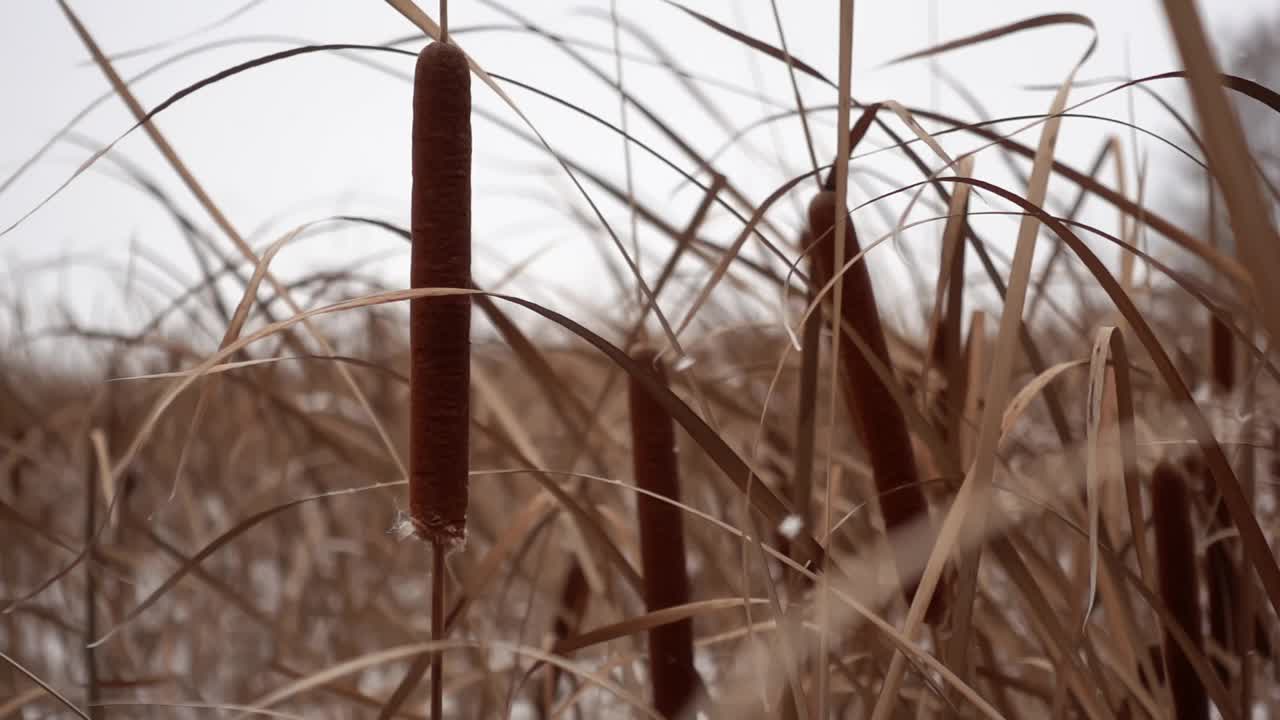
{"type": "Point", "coordinates": [324, 134]}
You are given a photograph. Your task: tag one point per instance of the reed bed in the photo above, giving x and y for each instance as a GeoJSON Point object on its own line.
{"type": "Point", "coordinates": [1016, 490]}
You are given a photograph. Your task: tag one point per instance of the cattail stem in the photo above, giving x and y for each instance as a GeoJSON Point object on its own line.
{"type": "Point", "coordinates": [666, 581]}
{"type": "Point", "coordinates": [575, 594]}
{"type": "Point", "coordinates": [437, 628]}
{"type": "Point", "coordinates": [871, 406]}
{"type": "Point", "coordinates": [440, 327]}
{"type": "Point", "coordinates": [92, 689]}
{"type": "Point", "coordinates": [1179, 587]}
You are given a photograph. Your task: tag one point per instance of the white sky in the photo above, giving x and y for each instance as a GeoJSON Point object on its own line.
{"type": "Point", "coordinates": [319, 135]}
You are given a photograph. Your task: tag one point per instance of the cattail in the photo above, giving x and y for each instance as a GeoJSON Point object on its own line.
{"type": "Point", "coordinates": [666, 582]}
{"type": "Point", "coordinates": [1222, 355]}
{"type": "Point", "coordinates": [1179, 586]}
{"type": "Point", "coordinates": [575, 594]}
{"type": "Point", "coordinates": [871, 406]}
{"type": "Point", "coordinates": [440, 328]}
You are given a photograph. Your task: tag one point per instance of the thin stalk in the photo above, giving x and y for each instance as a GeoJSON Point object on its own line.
{"type": "Point", "coordinates": [437, 628]}
{"type": "Point", "coordinates": [92, 688]}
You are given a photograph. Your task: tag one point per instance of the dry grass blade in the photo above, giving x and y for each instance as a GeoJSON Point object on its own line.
{"type": "Point", "coordinates": [222, 707]}
{"type": "Point", "coordinates": [98, 466]}
{"type": "Point", "coordinates": [968, 512]}
{"type": "Point", "coordinates": [75, 562]}
{"type": "Point", "coordinates": [218, 542]}
{"type": "Point", "coordinates": [1093, 471]}
{"type": "Point", "coordinates": [1230, 160]}
{"type": "Point", "coordinates": [1126, 421]}
{"type": "Point", "coordinates": [1027, 394]}
{"type": "Point", "coordinates": [22, 699]}
{"type": "Point", "coordinates": [1257, 550]}
{"type": "Point", "coordinates": [945, 339]}
{"type": "Point", "coordinates": [998, 32]}
{"type": "Point", "coordinates": [1084, 682]}
{"type": "Point", "coordinates": [219, 218]}
{"type": "Point", "coordinates": [44, 686]}
{"type": "Point", "coordinates": [331, 673]}
{"type": "Point", "coordinates": [648, 621]}
{"type": "Point", "coordinates": [754, 43]}
{"type": "Point", "coordinates": [841, 234]}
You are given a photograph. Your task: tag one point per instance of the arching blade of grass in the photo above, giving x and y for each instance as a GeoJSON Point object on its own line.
{"type": "Point", "coordinates": [1256, 548]}
{"type": "Point", "coordinates": [170, 154]}
{"type": "Point", "coordinates": [1031, 23]}
{"type": "Point", "coordinates": [1230, 160]}
{"type": "Point", "coordinates": [971, 504]}
{"type": "Point", "coordinates": [753, 43]}
{"type": "Point", "coordinates": [43, 685]}
{"type": "Point", "coordinates": [380, 657]}
{"type": "Point", "coordinates": [835, 207]}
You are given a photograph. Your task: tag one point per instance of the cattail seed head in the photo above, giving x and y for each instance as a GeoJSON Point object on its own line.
{"type": "Point", "coordinates": [666, 581]}
{"type": "Point", "coordinates": [1179, 585]}
{"type": "Point", "coordinates": [440, 327]}
{"type": "Point", "coordinates": [872, 407]}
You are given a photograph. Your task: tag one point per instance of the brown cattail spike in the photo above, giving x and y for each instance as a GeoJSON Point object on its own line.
{"type": "Point", "coordinates": [666, 582]}
{"type": "Point", "coordinates": [1179, 586]}
{"type": "Point", "coordinates": [575, 594]}
{"type": "Point", "coordinates": [440, 327]}
{"type": "Point", "coordinates": [871, 406]}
